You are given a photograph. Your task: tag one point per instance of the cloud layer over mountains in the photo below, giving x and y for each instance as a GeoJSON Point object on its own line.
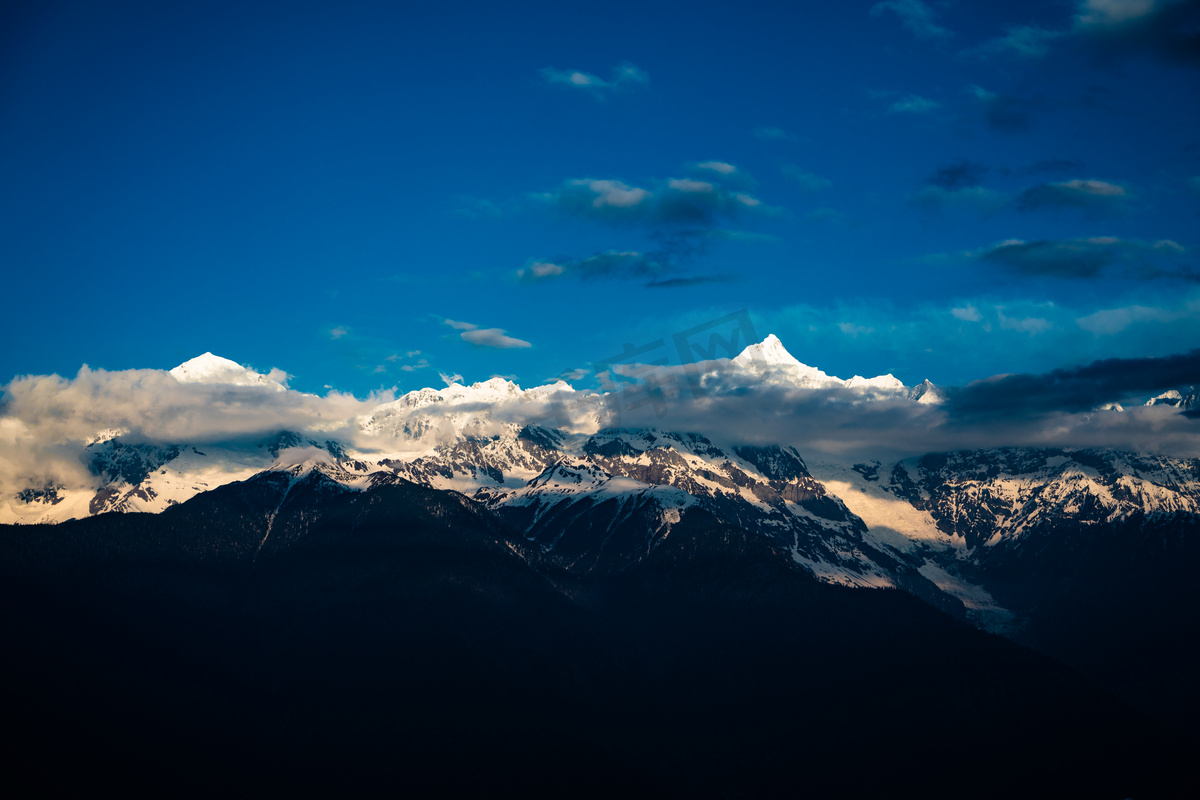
{"type": "Point", "coordinates": [46, 422]}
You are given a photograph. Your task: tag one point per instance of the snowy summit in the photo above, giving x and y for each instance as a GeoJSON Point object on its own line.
{"type": "Point", "coordinates": [209, 368]}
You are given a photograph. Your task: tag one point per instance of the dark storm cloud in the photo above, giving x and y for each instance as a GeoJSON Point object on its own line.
{"type": "Point", "coordinates": [681, 283]}
{"type": "Point", "coordinates": [1092, 196]}
{"type": "Point", "coordinates": [1110, 30]}
{"type": "Point", "coordinates": [1166, 29]}
{"type": "Point", "coordinates": [1097, 257]}
{"type": "Point", "coordinates": [1055, 409]}
{"type": "Point", "coordinates": [1073, 390]}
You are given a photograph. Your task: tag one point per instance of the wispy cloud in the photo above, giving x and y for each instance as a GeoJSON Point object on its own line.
{"type": "Point", "coordinates": [958, 174]}
{"type": "Point", "coordinates": [1111, 321]}
{"type": "Point", "coordinates": [1007, 113]}
{"type": "Point", "coordinates": [1110, 29]}
{"type": "Point", "coordinates": [769, 133]}
{"type": "Point", "coordinates": [973, 197]}
{"type": "Point", "coordinates": [1092, 258]}
{"type": "Point", "coordinates": [918, 18]}
{"type": "Point", "coordinates": [683, 283]}
{"type": "Point", "coordinates": [1092, 196]}
{"type": "Point", "coordinates": [1050, 165]}
{"type": "Point", "coordinates": [671, 202]}
{"type": "Point", "coordinates": [493, 337]}
{"type": "Point", "coordinates": [486, 337]}
{"type": "Point", "coordinates": [682, 215]}
{"type": "Point", "coordinates": [652, 267]}
{"type": "Point", "coordinates": [624, 76]}
{"type": "Point", "coordinates": [806, 180]}
{"type": "Point", "coordinates": [1023, 41]}
{"type": "Point", "coordinates": [914, 104]}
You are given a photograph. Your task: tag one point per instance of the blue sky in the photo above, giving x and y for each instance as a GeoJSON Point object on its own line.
{"type": "Point", "coordinates": [370, 195]}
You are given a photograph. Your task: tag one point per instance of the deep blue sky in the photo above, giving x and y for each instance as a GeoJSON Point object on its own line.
{"type": "Point", "coordinates": [943, 190]}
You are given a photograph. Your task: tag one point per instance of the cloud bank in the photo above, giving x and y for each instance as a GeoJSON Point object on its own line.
{"type": "Point", "coordinates": [46, 421]}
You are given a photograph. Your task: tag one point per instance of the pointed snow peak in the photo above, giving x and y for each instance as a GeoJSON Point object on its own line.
{"type": "Point", "coordinates": [771, 361]}
{"type": "Point", "coordinates": [927, 393]}
{"type": "Point", "coordinates": [1187, 399]}
{"type": "Point", "coordinates": [205, 365]}
{"type": "Point", "coordinates": [769, 351]}
{"type": "Point", "coordinates": [209, 368]}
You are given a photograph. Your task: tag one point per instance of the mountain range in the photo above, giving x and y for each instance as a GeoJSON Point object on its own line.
{"type": "Point", "coordinates": [481, 554]}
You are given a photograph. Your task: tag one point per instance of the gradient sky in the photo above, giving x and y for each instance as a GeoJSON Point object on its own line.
{"type": "Point", "coordinates": [370, 195]}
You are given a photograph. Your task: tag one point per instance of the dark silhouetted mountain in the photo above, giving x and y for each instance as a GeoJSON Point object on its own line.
{"type": "Point", "coordinates": [288, 632]}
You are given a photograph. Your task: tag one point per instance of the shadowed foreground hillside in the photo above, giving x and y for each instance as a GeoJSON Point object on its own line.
{"type": "Point", "coordinates": [401, 640]}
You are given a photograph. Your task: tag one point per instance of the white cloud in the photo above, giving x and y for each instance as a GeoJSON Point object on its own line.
{"type": "Point", "coordinates": [850, 329]}
{"type": "Point", "coordinates": [613, 193]}
{"type": "Point", "coordinates": [338, 332]}
{"type": "Point", "coordinates": [542, 269]}
{"type": "Point", "coordinates": [968, 313]}
{"type": "Point", "coordinates": [493, 337]}
{"type": "Point", "coordinates": [486, 337]}
{"type": "Point", "coordinates": [718, 166]}
{"type": "Point", "coordinates": [1110, 321]}
{"type": "Point", "coordinates": [688, 185]}
{"type": "Point", "coordinates": [450, 379]}
{"type": "Point", "coordinates": [46, 420]}
{"type": "Point", "coordinates": [1031, 325]}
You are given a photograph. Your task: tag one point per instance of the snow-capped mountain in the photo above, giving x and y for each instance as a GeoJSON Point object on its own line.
{"type": "Point", "coordinates": [1186, 399]}
{"type": "Point", "coordinates": [769, 361]}
{"type": "Point", "coordinates": [208, 368]}
{"type": "Point", "coordinates": [601, 498]}
{"type": "Point", "coordinates": [1011, 540]}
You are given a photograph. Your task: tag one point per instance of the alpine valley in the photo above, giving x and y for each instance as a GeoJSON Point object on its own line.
{"type": "Point", "coordinates": [483, 585]}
